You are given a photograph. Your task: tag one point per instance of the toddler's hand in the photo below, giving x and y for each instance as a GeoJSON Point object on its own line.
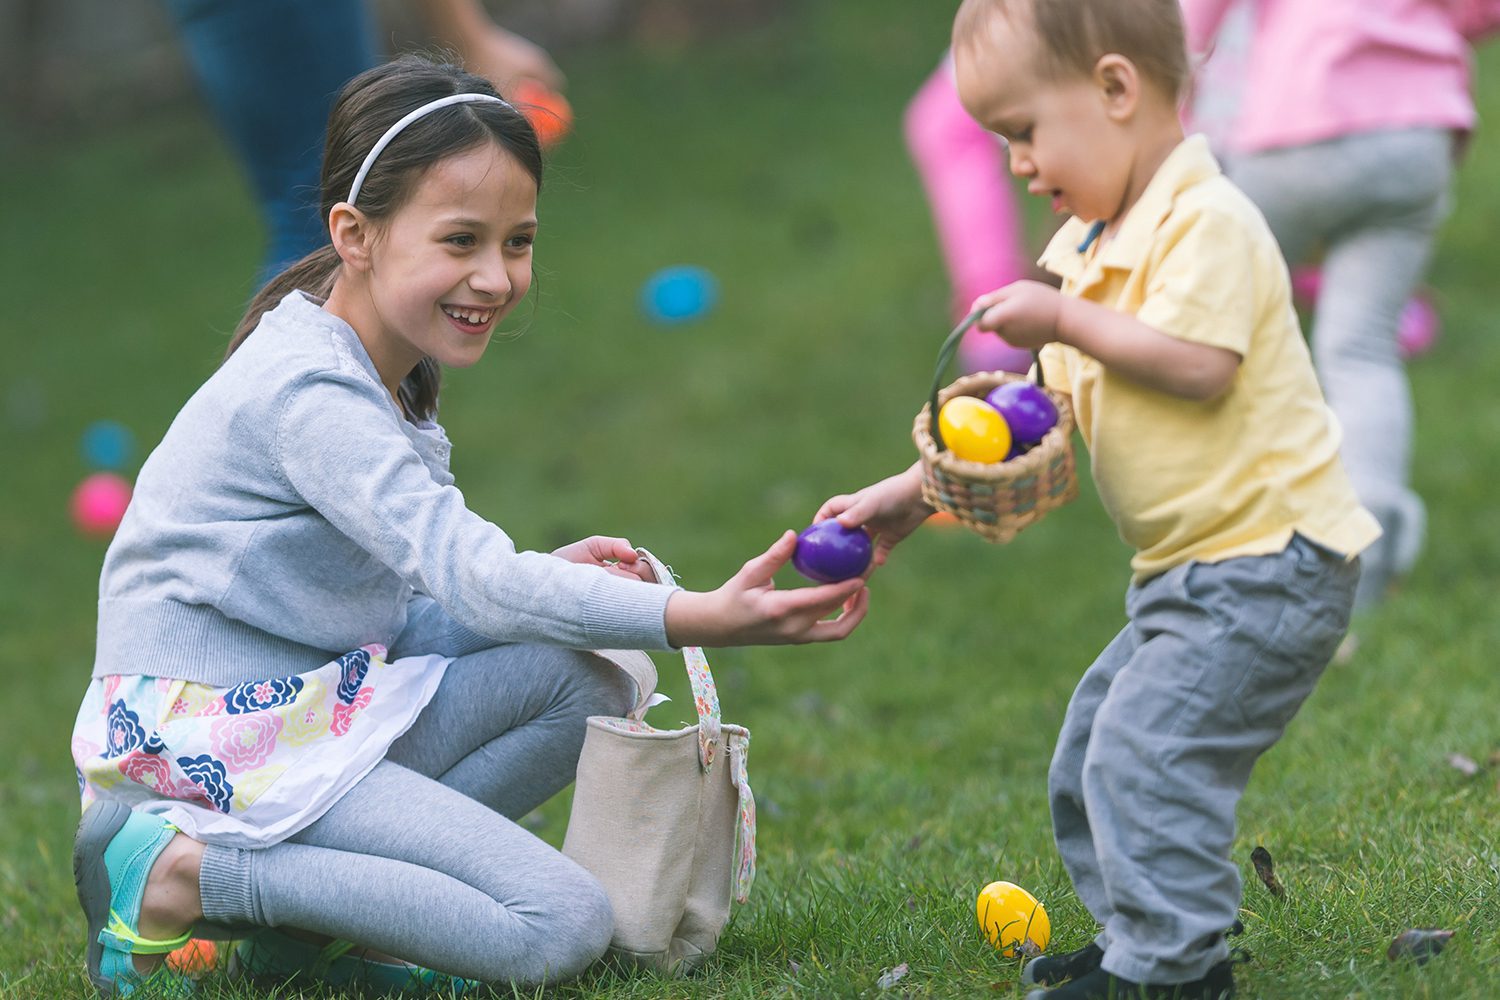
{"type": "Point", "coordinates": [1025, 313]}
{"type": "Point", "coordinates": [615, 555]}
{"type": "Point", "coordinates": [890, 510]}
{"type": "Point", "coordinates": [748, 610]}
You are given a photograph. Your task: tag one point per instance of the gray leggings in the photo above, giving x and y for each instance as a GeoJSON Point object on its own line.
{"type": "Point", "coordinates": [1372, 202]}
{"type": "Point", "coordinates": [423, 859]}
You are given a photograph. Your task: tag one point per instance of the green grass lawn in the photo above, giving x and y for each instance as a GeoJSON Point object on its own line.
{"type": "Point", "coordinates": [897, 772]}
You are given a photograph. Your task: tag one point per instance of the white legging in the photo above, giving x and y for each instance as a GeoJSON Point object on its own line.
{"type": "Point", "coordinates": [422, 858]}
{"type": "Point", "coordinates": [1372, 202]}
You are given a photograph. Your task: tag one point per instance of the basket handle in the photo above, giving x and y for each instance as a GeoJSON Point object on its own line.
{"type": "Point", "coordinates": [705, 692]}
{"type": "Point", "coordinates": [945, 355]}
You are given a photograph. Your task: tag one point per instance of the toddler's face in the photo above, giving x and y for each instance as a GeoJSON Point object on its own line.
{"type": "Point", "coordinates": [1062, 141]}
{"type": "Point", "coordinates": [453, 261]}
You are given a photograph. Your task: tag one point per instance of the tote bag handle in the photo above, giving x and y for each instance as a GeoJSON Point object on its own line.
{"type": "Point", "coordinates": [705, 694]}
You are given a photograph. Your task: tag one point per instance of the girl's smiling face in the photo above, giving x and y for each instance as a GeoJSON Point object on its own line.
{"type": "Point", "coordinates": [436, 278]}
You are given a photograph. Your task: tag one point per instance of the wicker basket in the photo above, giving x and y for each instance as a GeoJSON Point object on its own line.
{"type": "Point", "coordinates": [996, 499]}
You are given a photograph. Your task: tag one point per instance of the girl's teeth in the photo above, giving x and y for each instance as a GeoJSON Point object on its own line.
{"type": "Point", "coordinates": [470, 316]}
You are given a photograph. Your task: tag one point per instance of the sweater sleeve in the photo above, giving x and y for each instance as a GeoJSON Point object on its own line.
{"type": "Point", "coordinates": [430, 629]}
{"type": "Point", "coordinates": [340, 449]}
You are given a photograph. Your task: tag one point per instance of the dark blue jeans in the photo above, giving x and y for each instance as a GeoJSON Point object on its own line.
{"type": "Point", "coordinates": [270, 70]}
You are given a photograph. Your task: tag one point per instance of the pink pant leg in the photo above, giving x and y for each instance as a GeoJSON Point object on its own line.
{"type": "Point", "coordinates": [973, 208]}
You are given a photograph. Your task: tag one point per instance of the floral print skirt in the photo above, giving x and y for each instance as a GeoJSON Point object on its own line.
{"type": "Point", "coordinates": [249, 765]}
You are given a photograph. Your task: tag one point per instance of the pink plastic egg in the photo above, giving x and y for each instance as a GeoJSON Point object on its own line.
{"type": "Point", "coordinates": [99, 502]}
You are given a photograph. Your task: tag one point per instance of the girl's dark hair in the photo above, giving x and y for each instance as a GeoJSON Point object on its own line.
{"type": "Point", "coordinates": [368, 105]}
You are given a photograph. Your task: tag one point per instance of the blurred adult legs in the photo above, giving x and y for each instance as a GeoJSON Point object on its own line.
{"type": "Point", "coordinates": [270, 70]}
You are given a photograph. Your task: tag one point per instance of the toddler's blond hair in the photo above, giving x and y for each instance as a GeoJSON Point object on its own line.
{"type": "Point", "coordinates": [1072, 35]}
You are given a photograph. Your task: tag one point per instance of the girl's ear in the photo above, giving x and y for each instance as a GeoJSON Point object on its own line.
{"type": "Point", "coordinates": [351, 233]}
{"type": "Point", "coordinates": [1119, 85]}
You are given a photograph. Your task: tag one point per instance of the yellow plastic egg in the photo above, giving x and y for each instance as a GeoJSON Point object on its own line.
{"type": "Point", "coordinates": [974, 430]}
{"type": "Point", "coordinates": [1013, 920]}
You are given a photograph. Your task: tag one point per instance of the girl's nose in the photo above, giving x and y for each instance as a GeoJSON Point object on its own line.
{"type": "Point", "coordinates": [491, 278]}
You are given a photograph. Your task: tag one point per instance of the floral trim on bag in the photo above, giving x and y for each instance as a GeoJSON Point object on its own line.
{"type": "Point", "coordinates": [706, 701]}
{"type": "Point", "coordinates": [739, 756]}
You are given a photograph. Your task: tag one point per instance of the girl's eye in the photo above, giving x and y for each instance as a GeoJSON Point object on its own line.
{"type": "Point", "coordinates": [464, 240]}
{"type": "Point", "coordinates": [1022, 135]}
{"type": "Point", "coordinates": [521, 242]}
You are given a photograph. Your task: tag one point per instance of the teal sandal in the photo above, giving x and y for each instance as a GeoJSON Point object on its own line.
{"type": "Point", "coordinates": [272, 955]}
{"type": "Point", "coordinates": [112, 856]}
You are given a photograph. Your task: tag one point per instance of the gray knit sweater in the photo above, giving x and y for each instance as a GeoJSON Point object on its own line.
{"type": "Point", "coordinates": [291, 514]}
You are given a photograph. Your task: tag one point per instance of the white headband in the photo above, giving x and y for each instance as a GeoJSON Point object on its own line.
{"type": "Point", "coordinates": [407, 119]}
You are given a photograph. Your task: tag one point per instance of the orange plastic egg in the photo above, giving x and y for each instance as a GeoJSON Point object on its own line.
{"type": "Point", "coordinates": [196, 958]}
{"type": "Point", "coordinates": [974, 430]}
{"type": "Point", "coordinates": [546, 109]}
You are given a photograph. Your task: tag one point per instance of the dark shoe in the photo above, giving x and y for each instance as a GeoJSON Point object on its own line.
{"type": "Point", "coordinates": [1218, 984]}
{"type": "Point", "coordinates": [1049, 970]}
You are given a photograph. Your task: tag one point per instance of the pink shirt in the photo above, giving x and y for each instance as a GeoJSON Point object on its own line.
{"type": "Point", "coordinates": [1318, 69]}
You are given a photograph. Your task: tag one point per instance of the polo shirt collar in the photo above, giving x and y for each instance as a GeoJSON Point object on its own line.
{"type": "Point", "coordinates": [1191, 163]}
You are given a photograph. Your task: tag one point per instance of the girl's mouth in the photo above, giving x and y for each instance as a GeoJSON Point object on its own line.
{"type": "Point", "coordinates": [470, 320]}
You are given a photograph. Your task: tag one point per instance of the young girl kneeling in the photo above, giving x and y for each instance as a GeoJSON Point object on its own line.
{"type": "Point", "coordinates": [324, 688]}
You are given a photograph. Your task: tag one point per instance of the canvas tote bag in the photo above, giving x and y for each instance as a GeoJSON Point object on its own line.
{"type": "Point", "coordinates": [666, 821]}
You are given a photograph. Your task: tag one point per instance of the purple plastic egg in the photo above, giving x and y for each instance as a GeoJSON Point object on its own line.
{"type": "Point", "coordinates": [1026, 408]}
{"type": "Point", "coordinates": [828, 552]}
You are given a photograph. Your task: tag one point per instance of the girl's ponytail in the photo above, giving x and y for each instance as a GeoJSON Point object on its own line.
{"type": "Point", "coordinates": [313, 274]}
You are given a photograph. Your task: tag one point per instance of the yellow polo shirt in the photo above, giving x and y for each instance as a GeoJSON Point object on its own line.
{"type": "Point", "coordinates": [1234, 476]}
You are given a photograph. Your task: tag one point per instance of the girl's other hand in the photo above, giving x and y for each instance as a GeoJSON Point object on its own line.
{"type": "Point", "coordinates": [890, 510]}
{"type": "Point", "coordinates": [748, 610]}
{"type": "Point", "coordinates": [614, 555]}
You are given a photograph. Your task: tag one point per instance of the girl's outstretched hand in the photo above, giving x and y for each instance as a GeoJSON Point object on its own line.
{"type": "Point", "coordinates": [890, 510]}
{"type": "Point", "coordinates": [749, 611]}
{"type": "Point", "coordinates": [615, 555]}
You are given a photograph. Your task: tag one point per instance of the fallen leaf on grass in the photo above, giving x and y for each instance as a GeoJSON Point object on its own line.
{"type": "Point", "coordinates": [1266, 869]}
{"type": "Point", "coordinates": [1418, 944]}
{"type": "Point", "coordinates": [1463, 765]}
{"type": "Point", "coordinates": [891, 977]}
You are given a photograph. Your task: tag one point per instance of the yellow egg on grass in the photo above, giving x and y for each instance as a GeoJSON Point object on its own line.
{"type": "Point", "coordinates": [974, 430]}
{"type": "Point", "coordinates": [1013, 920]}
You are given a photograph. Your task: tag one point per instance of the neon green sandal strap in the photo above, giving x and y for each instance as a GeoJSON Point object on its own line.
{"type": "Point", "coordinates": [118, 935]}
{"type": "Point", "coordinates": [332, 952]}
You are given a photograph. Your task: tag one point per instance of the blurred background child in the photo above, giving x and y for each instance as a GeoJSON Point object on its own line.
{"type": "Point", "coordinates": [1345, 133]}
{"type": "Point", "coordinates": [978, 218]}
